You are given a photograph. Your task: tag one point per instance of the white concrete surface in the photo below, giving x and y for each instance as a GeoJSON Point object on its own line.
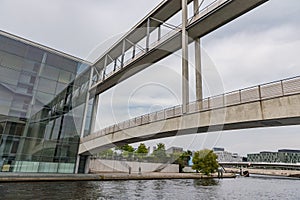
{"type": "Point", "coordinates": [101, 165]}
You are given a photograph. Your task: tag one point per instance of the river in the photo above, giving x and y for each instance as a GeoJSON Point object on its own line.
{"type": "Point", "coordinates": [239, 188]}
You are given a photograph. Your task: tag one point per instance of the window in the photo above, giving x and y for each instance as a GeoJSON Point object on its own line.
{"type": "Point", "coordinates": [50, 73]}
{"type": "Point", "coordinates": [47, 86]}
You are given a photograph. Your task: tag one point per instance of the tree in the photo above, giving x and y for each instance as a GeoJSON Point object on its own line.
{"type": "Point", "coordinates": [142, 149]}
{"type": "Point", "coordinates": [205, 161]}
{"type": "Point", "coordinates": [106, 154]}
{"type": "Point", "coordinates": [127, 148]}
{"type": "Point", "coordinates": [127, 151]}
{"type": "Point", "coordinates": [160, 153]}
{"type": "Point", "coordinates": [183, 160]}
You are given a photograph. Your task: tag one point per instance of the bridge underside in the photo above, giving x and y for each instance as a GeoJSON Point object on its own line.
{"type": "Point", "coordinates": [200, 26]}
{"type": "Point", "coordinates": [280, 111]}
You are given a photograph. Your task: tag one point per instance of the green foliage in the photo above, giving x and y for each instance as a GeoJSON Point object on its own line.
{"type": "Point", "coordinates": [183, 160]}
{"type": "Point", "coordinates": [205, 161]}
{"type": "Point", "coordinates": [142, 149]}
{"type": "Point", "coordinates": [105, 154]}
{"type": "Point", "coordinates": [127, 148]}
{"type": "Point", "coordinates": [160, 153]}
{"type": "Point", "coordinates": [141, 152]}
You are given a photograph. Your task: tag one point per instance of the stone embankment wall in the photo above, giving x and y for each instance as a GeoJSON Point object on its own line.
{"type": "Point", "coordinates": [99, 165]}
{"type": "Point", "coordinates": [265, 171]}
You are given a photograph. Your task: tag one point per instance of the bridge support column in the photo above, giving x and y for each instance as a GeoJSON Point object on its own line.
{"type": "Point", "coordinates": [185, 64]}
{"type": "Point", "coordinates": [94, 113]}
{"type": "Point", "coordinates": [198, 74]}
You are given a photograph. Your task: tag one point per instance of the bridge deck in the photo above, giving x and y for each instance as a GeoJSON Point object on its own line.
{"type": "Point", "coordinates": [207, 20]}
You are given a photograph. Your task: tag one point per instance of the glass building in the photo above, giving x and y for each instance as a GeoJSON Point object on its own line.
{"type": "Point", "coordinates": [282, 156]}
{"type": "Point", "coordinates": [42, 103]}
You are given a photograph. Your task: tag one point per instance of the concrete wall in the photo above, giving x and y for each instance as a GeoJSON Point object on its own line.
{"type": "Point", "coordinates": [272, 172]}
{"type": "Point", "coordinates": [99, 165]}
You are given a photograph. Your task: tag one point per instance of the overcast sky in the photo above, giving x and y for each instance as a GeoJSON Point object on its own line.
{"type": "Point", "coordinates": [261, 46]}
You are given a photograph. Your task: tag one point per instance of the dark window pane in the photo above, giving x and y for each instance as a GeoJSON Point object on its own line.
{"type": "Point", "coordinates": [15, 47]}
{"type": "Point", "coordinates": [50, 73]}
{"type": "Point", "coordinates": [47, 86]}
{"type": "Point", "coordinates": [34, 54]}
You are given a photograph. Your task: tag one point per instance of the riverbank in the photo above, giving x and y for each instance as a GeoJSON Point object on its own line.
{"type": "Point", "coordinates": [270, 172]}
{"type": "Point", "coordinates": [21, 177]}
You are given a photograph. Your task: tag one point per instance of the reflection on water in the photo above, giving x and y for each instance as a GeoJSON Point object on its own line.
{"type": "Point", "coordinates": [239, 188]}
{"type": "Point", "coordinates": [206, 182]}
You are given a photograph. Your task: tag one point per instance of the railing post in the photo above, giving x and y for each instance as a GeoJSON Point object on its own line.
{"type": "Point", "coordinates": [159, 33]}
{"type": "Point", "coordinates": [259, 92]}
{"type": "Point", "coordinates": [148, 35]}
{"type": "Point", "coordinates": [104, 67]}
{"type": "Point", "coordinates": [282, 89]}
{"type": "Point", "coordinates": [123, 53]}
{"type": "Point", "coordinates": [240, 95]}
{"type": "Point", "coordinates": [115, 65]}
{"type": "Point", "coordinates": [223, 100]}
{"type": "Point", "coordinates": [133, 52]}
{"type": "Point", "coordinates": [208, 103]}
{"type": "Point", "coordinates": [174, 111]}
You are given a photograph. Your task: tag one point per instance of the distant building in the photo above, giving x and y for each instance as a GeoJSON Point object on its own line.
{"type": "Point", "coordinates": [218, 149]}
{"type": "Point", "coordinates": [173, 150]}
{"type": "Point", "coordinates": [282, 156]}
{"type": "Point", "coordinates": [225, 156]}
{"type": "Point", "coordinates": [154, 148]}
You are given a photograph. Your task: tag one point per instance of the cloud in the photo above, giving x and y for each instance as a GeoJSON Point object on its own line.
{"type": "Point", "coordinates": [252, 59]}
{"type": "Point", "coordinates": [73, 27]}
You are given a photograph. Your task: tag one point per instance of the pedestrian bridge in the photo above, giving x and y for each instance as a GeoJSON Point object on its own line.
{"type": "Point", "coordinates": [271, 104]}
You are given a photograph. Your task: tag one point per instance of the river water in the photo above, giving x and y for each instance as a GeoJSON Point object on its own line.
{"type": "Point", "coordinates": [239, 188]}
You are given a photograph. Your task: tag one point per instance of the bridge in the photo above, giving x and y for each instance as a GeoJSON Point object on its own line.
{"type": "Point", "coordinates": [271, 104]}
{"type": "Point", "coordinates": [146, 44]}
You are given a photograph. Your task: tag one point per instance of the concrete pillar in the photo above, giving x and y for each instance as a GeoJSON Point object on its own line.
{"type": "Point", "coordinates": [87, 165]}
{"type": "Point", "coordinates": [198, 74]}
{"type": "Point", "coordinates": [185, 69]}
{"type": "Point", "coordinates": [77, 164]}
{"type": "Point", "coordinates": [94, 113]}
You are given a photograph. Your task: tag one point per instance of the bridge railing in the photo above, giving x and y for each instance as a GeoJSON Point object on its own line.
{"type": "Point", "coordinates": [141, 48]}
{"type": "Point", "coordinates": [265, 91]}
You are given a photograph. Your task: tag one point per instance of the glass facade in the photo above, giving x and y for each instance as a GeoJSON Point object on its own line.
{"type": "Point", "coordinates": [282, 156]}
{"type": "Point", "coordinates": [42, 101]}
